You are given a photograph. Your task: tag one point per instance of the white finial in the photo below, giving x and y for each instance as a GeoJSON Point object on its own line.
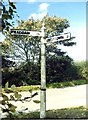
{"type": "Point", "coordinates": [43, 26]}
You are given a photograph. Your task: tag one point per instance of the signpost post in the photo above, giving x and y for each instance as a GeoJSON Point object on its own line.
{"type": "Point", "coordinates": [43, 76]}
{"type": "Point", "coordinates": [65, 36]}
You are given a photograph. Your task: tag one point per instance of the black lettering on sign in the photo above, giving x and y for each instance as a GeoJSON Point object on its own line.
{"type": "Point", "coordinates": [19, 32]}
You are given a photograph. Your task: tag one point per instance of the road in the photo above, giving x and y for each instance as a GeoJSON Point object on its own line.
{"type": "Point", "coordinates": [57, 98]}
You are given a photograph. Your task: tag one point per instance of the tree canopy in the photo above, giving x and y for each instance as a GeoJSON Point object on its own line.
{"type": "Point", "coordinates": [7, 12]}
{"type": "Point", "coordinates": [27, 49]}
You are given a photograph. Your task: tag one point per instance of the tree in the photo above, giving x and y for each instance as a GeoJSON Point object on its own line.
{"type": "Point", "coordinates": [60, 69]}
{"type": "Point", "coordinates": [82, 69]}
{"type": "Point", "coordinates": [28, 48]}
{"type": "Point", "coordinates": [7, 12]}
{"type": "Point", "coordinates": [7, 69]}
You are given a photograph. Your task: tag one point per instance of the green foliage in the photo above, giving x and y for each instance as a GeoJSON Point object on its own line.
{"type": "Point", "coordinates": [7, 85]}
{"type": "Point", "coordinates": [7, 11]}
{"type": "Point", "coordinates": [7, 68]}
{"type": "Point", "coordinates": [22, 88]}
{"type": "Point", "coordinates": [55, 25]}
{"type": "Point", "coordinates": [7, 106]}
{"type": "Point", "coordinates": [60, 68]}
{"type": "Point", "coordinates": [17, 96]}
{"type": "Point", "coordinates": [57, 69]}
{"type": "Point", "coordinates": [66, 84]}
{"type": "Point", "coordinates": [66, 113]}
{"type": "Point", "coordinates": [28, 88]}
{"type": "Point", "coordinates": [13, 87]}
{"type": "Point", "coordinates": [27, 48]}
{"type": "Point", "coordinates": [49, 85]}
{"type": "Point", "coordinates": [36, 101]}
{"type": "Point", "coordinates": [83, 69]}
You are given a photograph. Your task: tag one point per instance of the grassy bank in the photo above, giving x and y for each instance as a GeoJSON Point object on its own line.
{"type": "Point", "coordinates": [66, 84]}
{"type": "Point", "coordinates": [51, 85]}
{"type": "Point", "coordinates": [72, 113]}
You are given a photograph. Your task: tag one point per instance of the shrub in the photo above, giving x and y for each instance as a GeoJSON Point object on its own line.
{"type": "Point", "coordinates": [82, 69]}
{"type": "Point", "coordinates": [7, 106]}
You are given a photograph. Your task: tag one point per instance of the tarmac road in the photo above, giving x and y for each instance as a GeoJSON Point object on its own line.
{"type": "Point", "coordinates": [57, 98]}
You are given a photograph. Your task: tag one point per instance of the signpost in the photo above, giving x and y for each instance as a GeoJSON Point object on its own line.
{"type": "Point", "coordinates": [65, 36]}
{"type": "Point", "coordinates": [25, 32]}
{"type": "Point", "coordinates": [43, 76]}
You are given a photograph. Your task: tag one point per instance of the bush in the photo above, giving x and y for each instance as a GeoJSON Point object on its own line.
{"type": "Point", "coordinates": [61, 69]}
{"type": "Point", "coordinates": [82, 69]}
{"type": "Point", "coordinates": [66, 84]}
{"type": "Point", "coordinates": [6, 105]}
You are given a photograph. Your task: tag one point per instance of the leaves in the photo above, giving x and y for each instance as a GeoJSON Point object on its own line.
{"type": "Point", "coordinates": [13, 87]}
{"type": "Point", "coordinates": [36, 101]}
{"type": "Point", "coordinates": [12, 5]}
{"type": "Point", "coordinates": [17, 95]}
{"type": "Point", "coordinates": [30, 90]}
{"type": "Point", "coordinates": [28, 50]}
{"type": "Point", "coordinates": [7, 90]}
{"type": "Point", "coordinates": [5, 97]}
{"type": "Point", "coordinates": [12, 108]}
{"type": "Point", "coordinates": [8, 13]}
{"type": "Point", "coordinates": [12, 97]}
{"type": "Point", "coordinates": [5, 110]}
{"type": "Point", "coordinates": [9, 107]}
{"type": "Point", "coordinates": [2, 102]}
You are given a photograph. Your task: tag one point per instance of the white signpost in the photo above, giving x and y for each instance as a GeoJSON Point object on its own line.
{"type": "Point", "coordinates": [61, 37]}
{"type": "Point", "coordinates": [41, 34]}
{"type": "Point", "coordinates": [25, 32]}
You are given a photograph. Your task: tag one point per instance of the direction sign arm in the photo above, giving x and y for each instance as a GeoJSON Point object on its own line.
{"type": "Point", "coordinates": [25, 32]}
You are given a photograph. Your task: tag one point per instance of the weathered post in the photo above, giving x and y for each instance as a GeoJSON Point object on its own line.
{"type": "Point", "coordinates": [43, 75]}
{"type": "Point", "coordinates": [65, 36]}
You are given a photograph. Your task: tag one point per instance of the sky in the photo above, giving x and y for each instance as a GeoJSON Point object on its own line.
{"type": "Point", "coordinates": [74, 12]}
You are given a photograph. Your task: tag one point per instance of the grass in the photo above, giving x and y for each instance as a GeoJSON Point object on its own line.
{"type": "Point", "coordinates": [51, 85]}
{"type": "Point", "coordinates": [27, 88]}
{"type": "Point", "coordinates": [66, 84]}
{"type": "Point", "coordinates": [67, 113]}
{"type": "Point", "coordinates": [23, 88]}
